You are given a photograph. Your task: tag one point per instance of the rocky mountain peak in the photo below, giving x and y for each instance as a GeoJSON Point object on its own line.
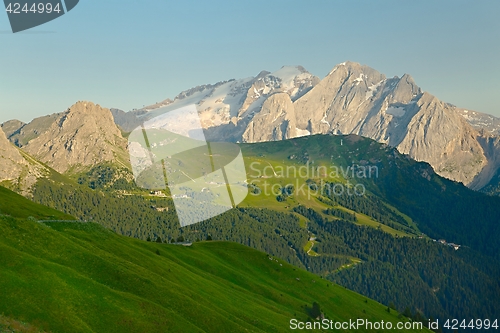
{"type": "Point", "coordinates": [83, 136]}
{"type": "Point", "coordinates": [262, 74]}
{"type": "Point", "coordinates": [88, 109]}
{"type": "Point", "coordinates": [405, 89]}
{"type": "Point", "coordinates": [357, 99]}
{"type": "Point", "coordinates": [277, 118]}
{"type": "Point", "coordinates": [11, 126]}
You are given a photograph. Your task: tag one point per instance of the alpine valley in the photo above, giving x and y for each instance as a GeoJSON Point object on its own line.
{"type": "Point", "coordinates": [421, 241]}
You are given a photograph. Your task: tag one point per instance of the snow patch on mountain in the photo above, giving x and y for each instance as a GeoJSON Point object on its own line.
{"type": "Point", "coordinates": [359, 79]}
{"type": "Point", "coordinates": [396, 111]}
{"type": "Point", "coordinates": [372, 90]}
{"type": "Point", "coordinates": [352, 98]}
{"type": "Point", "coordinates": [301, 132]}
{"type": "Point", "coordinates": [481, 121]}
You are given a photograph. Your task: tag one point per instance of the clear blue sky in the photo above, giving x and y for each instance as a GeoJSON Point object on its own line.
{"type": "Point", "coordinates": [126, 54]}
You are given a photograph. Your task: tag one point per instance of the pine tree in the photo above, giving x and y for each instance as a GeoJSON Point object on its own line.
{"type": "Point", "coordinates": [316, 310]}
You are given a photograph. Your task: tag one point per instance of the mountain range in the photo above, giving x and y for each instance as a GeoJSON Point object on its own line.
{"type": "Point", "coordinates": [380, 244]}
{"type": "Point", "coordinates": [83, 136]}
{"type": "Point", "coordinates": [460, 144]}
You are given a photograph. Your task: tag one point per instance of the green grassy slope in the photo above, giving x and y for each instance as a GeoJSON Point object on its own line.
{"type": "Point", "coordinates": [414, 197]}
{"type": "Point", "coordinates": [319, 160]}
{"type": "Point", "coordinates": [81, 277]}
{"type": "Point", "coordinates": [431, 278]}
{"type": "Point", "coordinates": [16, 205]}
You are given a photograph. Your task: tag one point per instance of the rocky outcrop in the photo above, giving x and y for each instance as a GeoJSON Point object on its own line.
{"type": "Point", "coordinates": [18, 171]}
{"type": "Point", "coordinates": [81, 137]}
{"type": "Point", "coordinates": [275, 121]}
{"type": "Point", "coordinates": [351, 99]}
{"type": "Point", "coordinates": [11, 161]}
{"type": "Point", "coordinates": [485, 123]}
{"type": "Point", "coordinates": [24, 133]}
{"type": "Point", "coordinates": [12, 126]}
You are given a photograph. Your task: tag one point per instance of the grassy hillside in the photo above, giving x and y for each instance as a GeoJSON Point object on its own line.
{"type": "Point", "coordinates": [80, 277]}
{"type": "Point", "coordinates": [355, 243]}
{"type": "Point", "coordinates": [407, 195]}
{"type": "Point", "coordinates": [16, 205]}
{"type": "Point", "coordinates": [317, 161]}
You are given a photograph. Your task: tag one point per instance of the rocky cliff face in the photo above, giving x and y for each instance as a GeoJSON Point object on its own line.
{"type": "Point", "coordinates": [20, 133]}
{"type": "Point", "coordinates": [275, 121]}
{"type": "Point", "coordinates": [11, 161]}
{"type": "Point", "coordinates": [357, 99]}
{"type": "Point", "coordinates": [489, 178]}
{"type": "Point", "coordinates": [83, 136]}
{"type": "Point", "coordinates": [351, 99]}
{"type": "Point", "coordinates": [18, 171]}
{"type": "Point", "coordinates": [437, 135]}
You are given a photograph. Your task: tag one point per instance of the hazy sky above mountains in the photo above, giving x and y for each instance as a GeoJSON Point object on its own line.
{"type": "Point", "coordinates": [126, 54]}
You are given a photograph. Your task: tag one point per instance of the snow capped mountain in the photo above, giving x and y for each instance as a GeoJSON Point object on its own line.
{"type": "Point", "coordinates": [227, 107]}
{"type": "Point", "coordinates": [459, 144]}
{"type": "Point", "coordinates": [481, 121]}
{"type": "Point", "coordinates": [351, 99]}
{"type": "Point", "coordinates": [357, 99]}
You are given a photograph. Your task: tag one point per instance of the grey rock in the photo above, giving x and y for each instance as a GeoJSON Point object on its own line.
{"type": "Point", "coordinates": [18, 171]}
{"type": "Point", "coordinates": [27, 132]}
{"type": "Point", "coordinates": [485, 123]}
{"type": "Point", "coordinates": [12, 126]}
{"type": "Point", "coordinates": [81, 137]}
{"type": "Point", "coordinates": [275, 121]}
